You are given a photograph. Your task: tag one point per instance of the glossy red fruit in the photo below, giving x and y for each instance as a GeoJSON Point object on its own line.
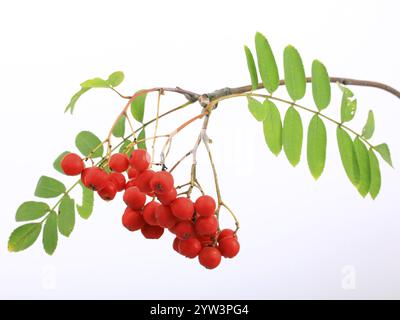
{"type": "Point", "coordinates": [206, 225]}
{"type": "Point", "coordinates": [210, 257]}
{"type": "Point", "coordinates": [84, 175]}
{"type": "Point", "coordinates": [182, 208]}
{"type": "Point", "coordinates": [119, 162]}
{"type": "Point", "coordinates": [184, 230]}
{"type": "Point", "coordinates": [164, 217]}
{"type": "Point", "coordinates": [118, 179]}
{"type": "Point", "coordinates": [229, 247]}
{"type": "Point", "coordinates": [190, 248]}
{"type": "Point", "coordinates": [140, 160]}
{"type": "Point", "coordinates": [143, 181]}
{"type": "Point", "coordinates": [205, 240]}
{"type": "Point", "coordinates": [96, 178]}
{"type": "Point", "coordinates": [72, 164]}
{"type": "Point", "coordinates": [162, 182]}
{"type": "Point", "coordinates": [132, 219]}
{"type": "Point", "coordinates": [130, 183]}
{"type": "Point", "coordinates": [226, 233]}
{"type": "Point", "coordinates": [132, 173]}
{"type": "Point", "coordinates": [149, 213]}
{"type": "Point", "coordinates": [134, 198]}
{"type": "Point", "coordinates": [168, 197]}
{"type": "Point", "coordinates": [108, 192]}
{"type": "Point", "coordinates": [175, 244]}
{"type": "Point", "coordinates": [152, 232]}
{"type": "Point", "coordinates": [205, 206]}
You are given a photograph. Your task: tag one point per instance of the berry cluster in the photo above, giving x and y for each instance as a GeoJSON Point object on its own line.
{"type": "Point", "coordinates": [194, 225]}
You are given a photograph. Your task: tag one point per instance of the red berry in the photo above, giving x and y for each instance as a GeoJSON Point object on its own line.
{"type": "Point", "coordinates": [84, 175]}
{"type": "Point", "coordinates": [175, 244]}
{"type": "Point", "coordinates": [134, 198]}
{"type": "Point", "coordinates": [108, 192]}
{"type": "Point", "coordinates": [119, 162]}
{"type": "Point", "coordinates": [205, 241]}
{"type": "Point", "coordinates": [182, 208]}
{"type": "Point", "coordinates": [206, 225]}
{"type": "Point", "coordinates": [130, 183]}
{"type": "Point", "coordinates": [168, 197]}
{"type": "Point", "coordinates": [143, 180]}
{"type": "Point", "coordinates": [162, 182]}
{"type": "Point", "coordinates": [164, 217]}
{"type": "Point", "coordinates": [152, 232]}
{"type": "Point", "coordinates": [205, 206]}
{"type": "Point", "coordinates": [140, 160]}
{"type": "Point", "coordinates": [229, 247]}
{"type": "Point", "coordinates": [132, 173]}
{"type": "Point", "coordinates": [226, 233]}
{"type": "Point", "coordinates": [190, 248]}
{"type": "Point", "coordinates": [132, 219]}
{"type": "Point", "coordinates": [72, 164]}
{"type": "Point", "coordinates": [118, 179]}
{"type": "Point", "coordinates": [210, 257]}
{"type": "Point", "coordinates": [96, 178]}
{"type": "Point", "coordinates": [149, 213]}
{"type": "Point", "coordinates": [184, 230]}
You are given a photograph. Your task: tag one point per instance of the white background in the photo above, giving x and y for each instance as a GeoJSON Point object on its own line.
{"type": "Point", "coordinates": [300, 238]}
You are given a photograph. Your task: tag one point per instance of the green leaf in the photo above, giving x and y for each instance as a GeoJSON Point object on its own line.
{"type": "Point", "coordinates": [24, 236]}
{"type": "Point", "coordinates": [295, 77]}
{"type": "Point", "coordinates": [119, 129]}
{"type": "Point", "coordinates": [266, 63]}
{"type": "Point", "coordinates": [316, 146]}
{"type": "Point", "coordinates": [86, 142]}
{"type": "Point", "coordinates": [141, 136]}
{"type": "Point", "coordinates": [95, 83]}
{"type": "Point", "coordinates": [71, 105]}
{"type": "Point", "coordinates": [363, 164]}
{"type": "Point", "coordinates": [66, 216]}
{"type": "Point", "coordinates": [384, 151]}
{"type": "Point", "coordinates": [124, 147]}
{"type": "Point", "coordinates": [257, 109]}
{"type": "Point", "coordinates": [348, 106]}
{"type": "Point", "coordinates": [375, 174]}
{"type": "Point", "coordinates": [273, 128]}
{"type": "Point", "coordinates": [115, 78]}
{"type": "Point", "coordinates": [48, 187]}
{"type": "Point", "coordinates": [369, 127]}
{"type": "Point", "coordinates": [86, 209]}
{"type": "Point", "coordinates": [57, 162]}
{"type": "Point", "coordinates": [292, 136]}
{"type": "Point", "coordinates": [252, 68]}
{"type": "Point", "coordinates": [137, 107]}
{"type": "Point", "coordinates": [321, 86]}
{"type": "Point", "coordinates": [31, 210]}
{"type": "Point", "coordinates": [348, 156]}
{"type": "Point", "coordinates": [50, 233]}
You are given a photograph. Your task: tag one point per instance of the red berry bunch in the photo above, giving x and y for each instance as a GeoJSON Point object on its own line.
{"type": "Point", "coordinates": [153, 206]}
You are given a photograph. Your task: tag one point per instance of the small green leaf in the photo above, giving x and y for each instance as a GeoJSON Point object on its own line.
{"type": "Point", "coordinates": [124, 146]}
{"type": "Point", "coordinates": [363, 164]}
{"type": "Point", "coordinates": [66, 216]}
{"type": "Point", "coordinates": [71, 105]}
{"type": "Point", "coordinates": [321, 86]}
{"type": "Point", "coordinates": [57, 162]}
{"type": "Point", "coordinates": [115, 78]}
{"type": "Point", "coordinates": [384, 151]}
{"type": "Point", "coordinates": [316, 146]}
{"type": "Point", "coordinates": [266, 63]}
{"type": "Point", "coordinates": [141, 137]}
{"type": "Point", "coordinates": [375, 174]}
{"type": "Point", "coordinates": [86, 142]}
{"type": "Point", "coordinates": [295, 77]}
{"type": "Point", "coordinates": [50, 233]}
{"type": "Point", "coordinates": [86, 209]}
{"type": "Point", "coordinates": [369, 127]}
{"type": "Point", "coordinates": [257, 109]}
{"type": "Point", "coordinates": [348, 156]}
{"type": "Point", "coordinates": [95, 83]}
{"type": "Point", "coordinates": [48, 187]}
{"type": "Point", "coordinates": [24, 236]}
{"type": "Point", "coordinates": [292, 136]}
{"type": "Point", "coordinates": [273, 128]}
{"type": "Point", "coordinates": [137, 107]}
{"type": "Point", "coordinates": [348, 106]}
{"type": "Point", "coordinates": [31, 210]}
{"type": "Point", "coordinates": [119, 129]}
{"type": "Point", "coordinates": [252, 68]}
